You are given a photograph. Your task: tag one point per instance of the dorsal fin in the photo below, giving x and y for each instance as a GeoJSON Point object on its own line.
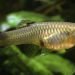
{"type": "Point", "coordinates": [25, 23]}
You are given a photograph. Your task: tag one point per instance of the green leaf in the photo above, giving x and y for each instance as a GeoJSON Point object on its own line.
{"type": "Point", "coordinates": [16, 17]}
{"type": "Point", "coordinates": [56, 63]}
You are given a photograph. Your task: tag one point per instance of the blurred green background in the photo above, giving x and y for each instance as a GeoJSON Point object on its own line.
{"type": "Point", "coordinates": [30, 59]}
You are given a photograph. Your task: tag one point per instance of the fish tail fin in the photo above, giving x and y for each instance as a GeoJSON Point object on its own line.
{"type": "Point", "coordinates": [2, 38]}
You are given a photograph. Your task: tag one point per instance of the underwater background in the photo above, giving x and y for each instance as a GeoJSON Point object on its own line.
{"type": "Point", "coordinates": [31, 59]}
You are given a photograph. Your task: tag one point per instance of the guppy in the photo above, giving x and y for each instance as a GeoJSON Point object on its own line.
{"type": "Point", "coordinates": [51, 35]}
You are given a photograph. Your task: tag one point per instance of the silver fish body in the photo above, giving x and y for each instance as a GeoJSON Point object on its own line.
{"type": "Point", "coordinates": [52, 35]}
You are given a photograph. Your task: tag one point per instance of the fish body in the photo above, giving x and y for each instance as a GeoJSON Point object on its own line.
{"type": "Point", "coordinates": [52, 35]}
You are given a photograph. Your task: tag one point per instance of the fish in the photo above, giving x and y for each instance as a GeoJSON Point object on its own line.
{"type": "Point", "coordinates": [51, 35]}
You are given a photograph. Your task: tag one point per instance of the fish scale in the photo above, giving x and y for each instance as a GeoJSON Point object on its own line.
{"type": "Point", "coordinates": [53, 35]}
